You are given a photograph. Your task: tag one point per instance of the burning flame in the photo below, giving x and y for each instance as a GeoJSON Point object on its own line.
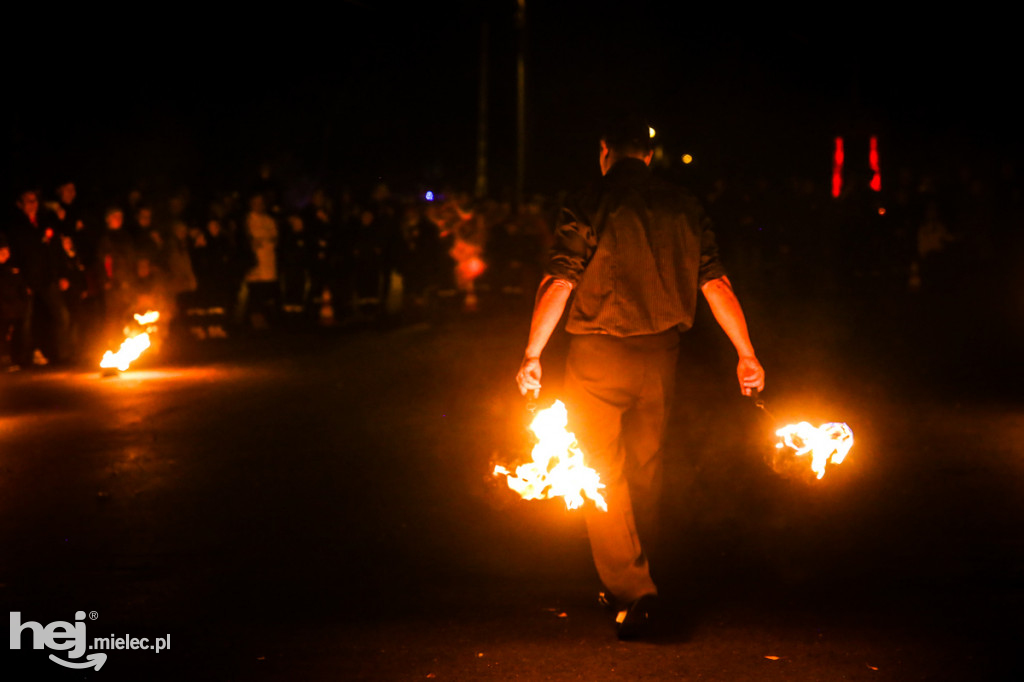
{"type": "Point", "coordinates": [557, 469]}
{"type": "Point", "coordinates": [133, 346]}
{"type": "Point", "coordinates": [829, 442]}
{"type": "Point", "coordinates": [129, 351]}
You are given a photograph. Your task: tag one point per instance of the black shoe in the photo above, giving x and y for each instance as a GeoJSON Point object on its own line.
{"type": "Point", "coordinates": [634, 621]}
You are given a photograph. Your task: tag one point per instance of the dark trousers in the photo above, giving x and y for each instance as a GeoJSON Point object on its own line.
{"type": "Point", "coordinates": [12, 342]}
{"type": "Point", "coordinates": [618, 394]}
{"type": "Point", "coordinates": [48, 324]}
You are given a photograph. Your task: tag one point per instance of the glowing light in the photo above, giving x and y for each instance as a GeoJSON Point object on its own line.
{"type": "Point", "coordinates": [827, 443]}
{"type": "Point", "coordinates": [429, 196]}
{"type": "Point", "coordinates": [557, 469]}
{"type": "Point", "coordinates": [650, 131]}
{"type": "Point", "coordinates": [881, 210]}
{"type": "Point", "coordinates": [129, 351]}
{"type": "Point", "coordinates": [837, 168]}
{"type": "Point", "coordinates": [876, 175]}
{"type": "Point", "coordinates": [148, 318]}
{"type": "Point", "coordinates": [470, 268]}
{"type": "Point", "coordinates": [687, 158]}
{"type": "Point", "coordinates": [133, 346]}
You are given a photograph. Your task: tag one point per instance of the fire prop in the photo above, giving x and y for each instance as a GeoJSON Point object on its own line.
{"type": "Point", "coordinates": [134, 345]}
{"type": "Point", "coordinates": [557, 469]}
{"type": "Point", "coordinates": [827, 443]}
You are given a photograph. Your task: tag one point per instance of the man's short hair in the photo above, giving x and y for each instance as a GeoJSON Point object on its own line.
{"type": "Point", "coordinates": [628, 135]}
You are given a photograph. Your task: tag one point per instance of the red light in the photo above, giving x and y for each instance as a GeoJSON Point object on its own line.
{"type": "Point", "coordinates": [876, 176]}
{"type": "Point", "coordinates": [837, 168]}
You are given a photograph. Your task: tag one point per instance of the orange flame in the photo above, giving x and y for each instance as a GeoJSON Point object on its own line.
{"type": "Point", "coordinates": [150, 317]}
{"type": "Point", "coordinates": [557, 469]}
{"type": "Point", "coordinates": [133, 346]}
{"type": "Point", "coordinates": [829, 442]}
{"type": "Point", "coordinates": [129, 351]}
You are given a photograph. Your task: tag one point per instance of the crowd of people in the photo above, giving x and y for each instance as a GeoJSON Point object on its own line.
{"type": "Point", "coordinates": [74, 270]}
{"type": "Point", "coordinates": [73, 273]}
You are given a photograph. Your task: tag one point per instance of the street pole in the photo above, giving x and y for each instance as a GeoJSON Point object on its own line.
{"type": "Point", "coordinates": [520, 102]}
{"type": "Point", "coordinates": [481, 126]}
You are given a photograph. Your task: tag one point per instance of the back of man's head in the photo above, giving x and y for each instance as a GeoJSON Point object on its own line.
{"type": "Point", "coordinates": [628, 135]}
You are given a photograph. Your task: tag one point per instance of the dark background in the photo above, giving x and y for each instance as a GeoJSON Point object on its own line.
{"type": "Point", "coordinates": [363, 90]}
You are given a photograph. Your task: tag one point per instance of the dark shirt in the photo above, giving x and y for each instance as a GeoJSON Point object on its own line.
{"type": "Point", "coordinates": [637, 250]}
{"type": "Point", "coordinates": [13, 294]}
{"type": "Point", "coordinates": [35, 248]}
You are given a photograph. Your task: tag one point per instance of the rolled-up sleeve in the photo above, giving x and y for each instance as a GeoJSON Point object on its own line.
{"type": "Point", "coordinates": [574, 245]}
{"type": "Point", "coordinates": [710, 264]}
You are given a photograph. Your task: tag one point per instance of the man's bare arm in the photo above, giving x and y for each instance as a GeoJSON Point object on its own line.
{"type": "Point", "coordinates": [552, 296]}
{"type": "Point", "coordinates": [729, 315]}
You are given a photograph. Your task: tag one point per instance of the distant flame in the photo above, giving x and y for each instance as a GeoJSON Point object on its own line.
{"type": "Point", "coordinates": [557, 469]}
{"type": "Point", "coordinates": [829, 442]}
{"type": "Point", "coordinates": [133, 346]}
{"type": "Point", "coordinates": [129, 351]}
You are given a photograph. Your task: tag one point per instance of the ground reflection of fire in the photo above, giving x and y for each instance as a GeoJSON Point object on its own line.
{"type": "Point", "coordinates": [134, 345]}
{"type": "Point", "coordinates": [557, 468]}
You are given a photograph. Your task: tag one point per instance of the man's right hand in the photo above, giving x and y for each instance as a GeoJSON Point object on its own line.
{"type": "Point", "coordinates": [528, 378]}
{"type": "Point", "coordinates": [751, 375]}
{"type": "Point", "coordinates": [552, 296]}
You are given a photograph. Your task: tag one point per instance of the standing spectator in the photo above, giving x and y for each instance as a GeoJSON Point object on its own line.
{"type": "Point", "coordinates": [35, 248]}
{"type": "Point", "coordinates": [71, 219]}
{"type": "Point", "coordinates": [318, 220]}
{"type": "Point", "coordinates": [115, 268]}
{"type": "Point", "coordinates": [419, 256]}
{"type": "Point", "coordinates": [71, 270]}
{"type": "Point", "coordinates": [67, 211]}
{"type": "Point", "coordinates": [147, 290]}
{"type": "Point", "coordinates": [509, 251]}
{"type": "Point", "coordinates": [76, 224]}
{"type": "Point", "coordinates": [368, 261]}
{"type": "Point", "coordinates": [260, 295]}
{"type": "Point", "coordinates": [14, 305]}
{"type": "Point", "coordinates": [181, 279]}
{"type": "Point", "coordinates": [934, 269]}
{"type": "Point", "coordinates": [216, 265]}
{"type": "Point", "coordinates": [142, 223]}
{"type": "Point", "coordinates": [297, 256]}
{"type": "Point", "coordinates": [149, 238]}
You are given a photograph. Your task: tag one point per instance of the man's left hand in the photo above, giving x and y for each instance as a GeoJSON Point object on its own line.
{"type": "Point", "coordinates": [751, 374]}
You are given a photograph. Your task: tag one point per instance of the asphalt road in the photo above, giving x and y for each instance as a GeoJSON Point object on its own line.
{"type": "Point", "coordinates": [319, 506]}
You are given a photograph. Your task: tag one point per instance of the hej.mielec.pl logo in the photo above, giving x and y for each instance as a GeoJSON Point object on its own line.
{"type": "Point", "coordinates": [71, 638]}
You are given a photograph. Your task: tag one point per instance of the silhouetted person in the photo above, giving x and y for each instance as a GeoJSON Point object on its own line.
{"type": "Point", "coordinates": [635, 251]}
{"type": "Point", "coordinates": [297, 251]}
{"type": "Point", "coordinates": [115, 268]}
{"type": "Point", "coordinates": [261, 279]}
{"type": "Point", "coordinates": [14, 303]}
{"type": "Point", "coordinates": [70, 269]}
{"type": "Point", "coordinates": [35, 248]}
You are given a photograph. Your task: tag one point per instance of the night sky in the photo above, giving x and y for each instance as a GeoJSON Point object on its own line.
{"type": "Point", "coordinates": [371, 90]}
